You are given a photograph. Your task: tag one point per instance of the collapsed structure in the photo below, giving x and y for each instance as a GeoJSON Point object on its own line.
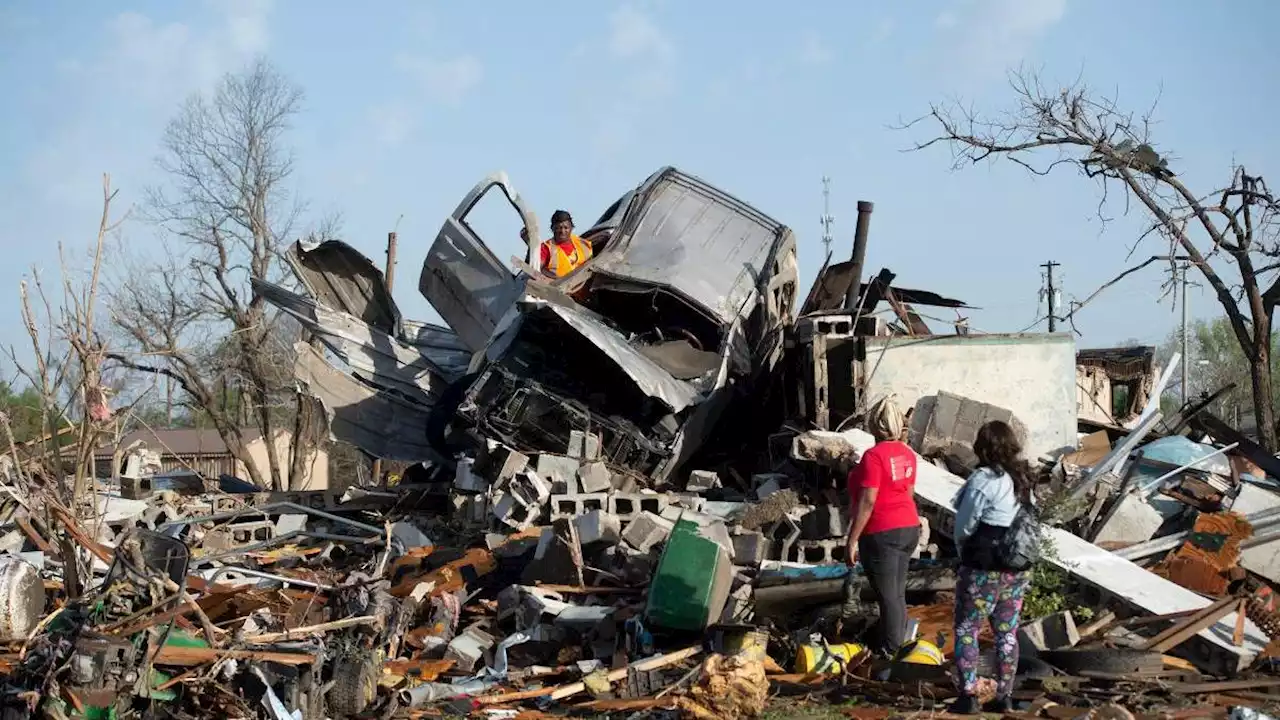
{"type": "Point", "coordinates": [620, 472]}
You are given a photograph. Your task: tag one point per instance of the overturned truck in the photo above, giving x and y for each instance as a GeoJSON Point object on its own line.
{"type": "Point", "coordinates": [682, 309]}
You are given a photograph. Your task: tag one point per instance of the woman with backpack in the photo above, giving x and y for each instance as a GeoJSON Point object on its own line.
{"type": "Point", "coordinates": [993, 532]}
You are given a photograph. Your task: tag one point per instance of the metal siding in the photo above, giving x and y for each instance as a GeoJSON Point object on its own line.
{"type": "Point", "coordinates": [708, 246]}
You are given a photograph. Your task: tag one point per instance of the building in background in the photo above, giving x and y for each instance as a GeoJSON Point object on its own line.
{"type": "Point", "coordinates": [204, 452]}
{"type": "Point", "coordinates": [1114, 384]}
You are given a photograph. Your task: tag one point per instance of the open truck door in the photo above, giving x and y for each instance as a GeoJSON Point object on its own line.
{"type": "Point", "coordinates": [466, 281]}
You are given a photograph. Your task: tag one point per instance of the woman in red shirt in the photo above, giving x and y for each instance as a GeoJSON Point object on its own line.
{"type": "Point", "coordinates": [884, 526]}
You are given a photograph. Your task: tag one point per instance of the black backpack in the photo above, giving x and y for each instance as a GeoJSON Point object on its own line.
{"type": "Point", "coordinates": [1019, 548]}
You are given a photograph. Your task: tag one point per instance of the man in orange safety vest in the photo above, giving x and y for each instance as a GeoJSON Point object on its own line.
{"type": "Point", "coordinates": [565, 251]}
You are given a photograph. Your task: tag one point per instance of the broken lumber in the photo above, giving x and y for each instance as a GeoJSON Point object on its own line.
{"type": "Point", "coordinates": [179, 656]}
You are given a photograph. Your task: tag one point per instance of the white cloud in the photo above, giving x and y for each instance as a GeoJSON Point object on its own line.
{"type": "Point", "coordinates": [813, 51]}
{"type": "Point", "coordinates": [634, 35]}
{"type": "Point", "coordinates": [641, 47]}
{"type": "Point", "coordinates": [994, 35]}
{"type": "Point", "coordinates": [392, 123]}
{"type": "Point", "coordinates": [120, 97]}
{"type": "Point", "coordinates": [446, 81]}
{"type": "Point", "coordinates": [883, 30]}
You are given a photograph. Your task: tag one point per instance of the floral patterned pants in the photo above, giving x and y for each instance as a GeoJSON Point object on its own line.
{"type": "Point", "coordinates": [994, 595]}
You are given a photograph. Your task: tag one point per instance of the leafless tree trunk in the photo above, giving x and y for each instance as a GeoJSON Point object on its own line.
{"type": "Point", "coordinates": [227, 213]}
{"type": "Point", "coordinates": [1230, 234]}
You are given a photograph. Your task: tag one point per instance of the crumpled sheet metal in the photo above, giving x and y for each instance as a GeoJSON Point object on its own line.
{"type": "Point", "coordinates": [371, 353]}
{"type": "Point", "coordinates": [647, 375]}
{"type": "Point", "coordinates": [381, 424]}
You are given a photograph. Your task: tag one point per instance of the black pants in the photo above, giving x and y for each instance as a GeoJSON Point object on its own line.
{"type": "Point", "coordinates": [884, 556]}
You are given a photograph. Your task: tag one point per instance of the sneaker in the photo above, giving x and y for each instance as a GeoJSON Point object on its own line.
{"type": "Point", "coordinates": [999, 705]}
{"type": "Point", "coordinates": [965, 705]}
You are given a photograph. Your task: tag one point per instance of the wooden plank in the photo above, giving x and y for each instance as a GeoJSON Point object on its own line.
{"type": "Point", "coordinates": [1193, 625]}
{"type": "Point", "coordinates": [179, 656]}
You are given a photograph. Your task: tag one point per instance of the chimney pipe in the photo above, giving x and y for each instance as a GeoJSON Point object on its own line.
{"type": "Point", "coordinates": [859, 253]}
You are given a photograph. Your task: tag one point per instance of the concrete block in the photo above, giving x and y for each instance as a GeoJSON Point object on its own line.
{"type": "Point", "coordinates": [559, 470]}
{"type": "Point", "coordinates": [628, 506]}
{"type": "Point", "coordinates": [558, 557]}
{"type": "Point", "coordinates": [289, 522]}
{"type": "Point", "coordinates": [824, 522]}
{"type": "Point", "coordinates": [139, 488]}
{"type": "Point", "coordinates": [598, 526]}
{"type": "Point", "coordinates": [584, 446]}
{"type": "Point", "coordinates": [239, 535]}
{"type": "Point", "coordinates": [624, 483]}
{"type": "Point", "coordinates": [595, 477]}
{"type": "Point", "coordinates": [1055, 632]}
{"type": "Point", "coordinates": [468, 649]}
{"type": "Point", "coordinates": [472, 510]}
{"type": "Point", "coordinates": [513, 512]}
{"type": "Point", "coordinates": [768, 486]}
{"type": "Point", "coordinates": [750, 548]}
{"type": "Point", "coordinates": [646, 531]}
{"type": "Point", "coordinates": [632, 566]}
{"type": "Point", "coordinates": [687, 501]}
{"type": "Point", "coordinates": [817, 552]}
{"type": "Point", "coordinates": [503, 463]}
{"type": "Point", "coordinates": [702, 481]}
{"type": "Point", "coordinates": [466, 479]}
{"type": "Point", "coordinates": [530, 488]}
{"type": "Point", "coordinates": [738, 608]}
{"type": "Point", "coordinates": [571, 506]}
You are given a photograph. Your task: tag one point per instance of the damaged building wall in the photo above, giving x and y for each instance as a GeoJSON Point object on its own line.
{"type": "Point", "coordinates": [1114, 384]}
{"type": "Point", "coordinates": [1031, 375]}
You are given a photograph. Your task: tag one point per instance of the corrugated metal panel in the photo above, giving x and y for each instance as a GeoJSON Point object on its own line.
{"type": "Point", "coordinates": [691, 237]}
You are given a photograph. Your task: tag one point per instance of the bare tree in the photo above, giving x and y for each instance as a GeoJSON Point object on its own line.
{"type": "Point", "coordinates": [226, 213]}
{"type": "Point", "coordinates": [66, 370]}
{"type": "Point", "coordinates": [1230, 234]}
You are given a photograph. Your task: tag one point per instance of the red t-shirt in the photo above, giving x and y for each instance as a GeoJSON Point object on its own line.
{"type": "Point", "coordinates": [891, 467]}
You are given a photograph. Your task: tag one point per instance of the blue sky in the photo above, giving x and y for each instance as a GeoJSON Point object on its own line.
{"type": "Point", "coordinates": [409, 103]}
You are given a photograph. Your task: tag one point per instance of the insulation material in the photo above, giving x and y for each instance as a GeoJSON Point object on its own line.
{"type": "Point", "coordinates": [729, 688]}
{"type": "Point", "coordinates": [1209, 553]}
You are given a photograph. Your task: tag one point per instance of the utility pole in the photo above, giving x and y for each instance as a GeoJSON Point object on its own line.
{"type": "Point", "coordinates": [827, 220]}
{"type": "Point", "coordinates": [391, 280]}
{"type": "Point", "coordinates": [1051, 294]}
{"type": "Point", "coordinates": [1186, 352]}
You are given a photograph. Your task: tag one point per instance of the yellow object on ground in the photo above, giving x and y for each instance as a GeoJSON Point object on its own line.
{"type": "Point", "coordinates": [921, 652]}
{"type": "Point", "coordinates": [823, 659]}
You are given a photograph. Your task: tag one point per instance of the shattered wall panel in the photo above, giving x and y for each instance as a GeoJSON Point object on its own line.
{"type": "Point", "coordinates": [1033, 376]}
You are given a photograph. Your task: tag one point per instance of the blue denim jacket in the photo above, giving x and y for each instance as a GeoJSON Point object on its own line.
{"type": "Point", "coordinates": [987, 497]}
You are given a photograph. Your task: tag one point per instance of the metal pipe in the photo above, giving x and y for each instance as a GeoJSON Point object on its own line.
{"type": "Point", "coordinates": [859, 253]}
{"type": "Point", "coordinates": [287, 581]}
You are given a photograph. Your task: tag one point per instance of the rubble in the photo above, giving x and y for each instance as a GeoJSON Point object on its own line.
{"type": "Point", "coordinates": [623, 506]}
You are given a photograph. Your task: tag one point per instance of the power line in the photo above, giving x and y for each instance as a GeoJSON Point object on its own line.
{"type": "Point", "coordinates": [1050, 294]}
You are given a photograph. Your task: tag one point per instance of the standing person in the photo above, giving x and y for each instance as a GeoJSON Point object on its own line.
{"type": "Point", "coordinates": [884, 526]}
{"type": "Point", "coordinates": [986, 587]}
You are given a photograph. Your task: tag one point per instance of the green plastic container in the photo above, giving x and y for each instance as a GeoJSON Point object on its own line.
{"type": "Point", "coordinates": [692, 582]}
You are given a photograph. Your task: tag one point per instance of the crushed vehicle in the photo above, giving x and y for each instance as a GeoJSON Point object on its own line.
{"type": "Point", "coordinates": [684, 304]}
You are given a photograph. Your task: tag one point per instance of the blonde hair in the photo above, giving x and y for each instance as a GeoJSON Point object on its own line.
{"type": "Point", "coordinates": [885, 419]}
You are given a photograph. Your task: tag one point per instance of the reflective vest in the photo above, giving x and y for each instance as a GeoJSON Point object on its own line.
{"type": "Point", "coordinates": [560, 263]}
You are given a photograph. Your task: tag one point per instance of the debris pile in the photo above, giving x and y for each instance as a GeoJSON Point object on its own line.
{"type": "Point", "coordinates": [625, 493]}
